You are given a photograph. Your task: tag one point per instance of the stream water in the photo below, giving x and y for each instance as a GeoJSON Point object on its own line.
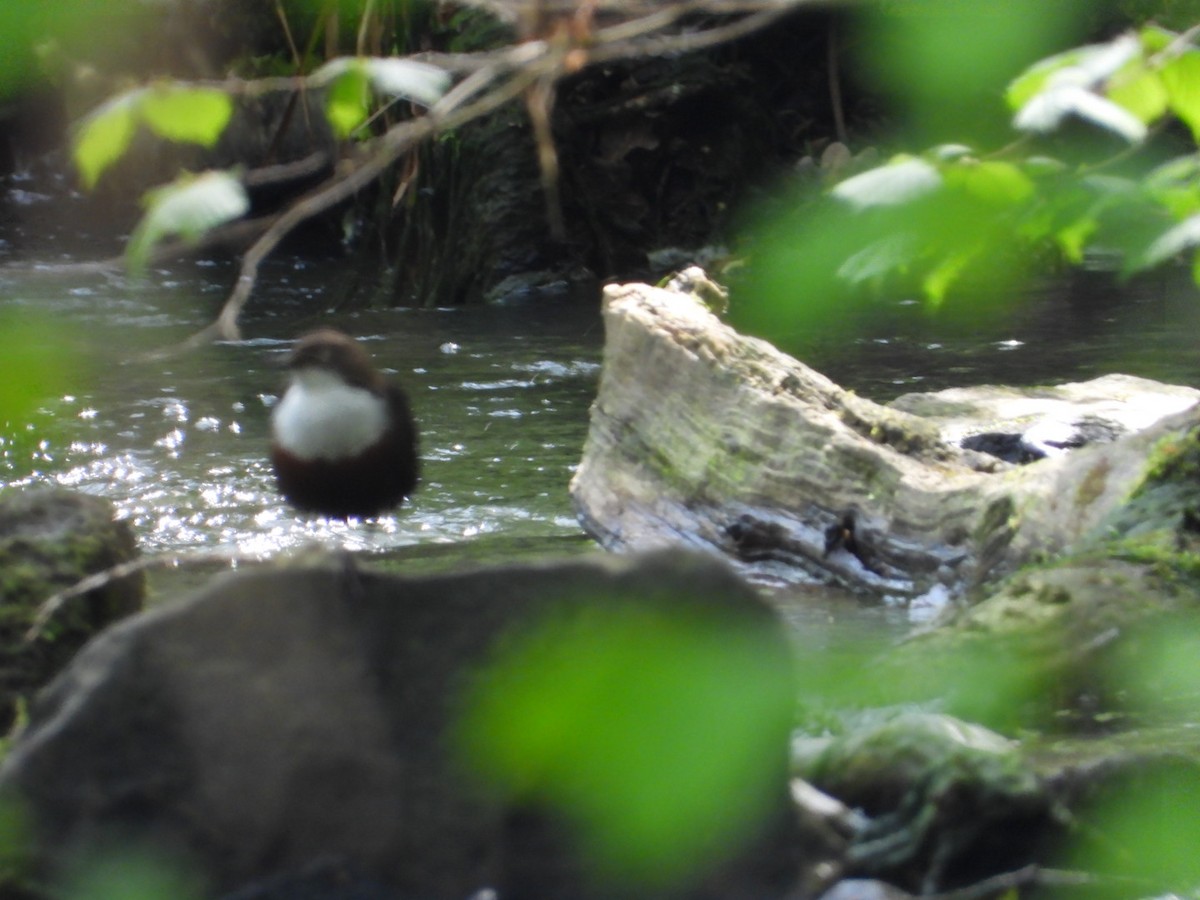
{"type": "Point", "coordinates": [501, 394]}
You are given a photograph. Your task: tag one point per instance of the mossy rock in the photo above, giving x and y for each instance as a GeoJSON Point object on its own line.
{"type": "Point", "coordinates": [949, 803]}
{"type": "Point", "coordinates": [1053, 630]}
{"type": "Point", "coordinates": [50, 539]}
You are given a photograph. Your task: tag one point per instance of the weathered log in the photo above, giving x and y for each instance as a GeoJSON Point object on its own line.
{"type": "Point", "coordinates": [704, 436]}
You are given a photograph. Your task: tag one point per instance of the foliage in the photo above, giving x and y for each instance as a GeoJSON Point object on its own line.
{"type": "Point", "coordinates": [349, 83]}
{"type": "Point", "coordinates": [1086, 177]}
{"type": "Point", "coordinates": [35, 364]}
{"type": "Point", "coordinates": [189, 207]}
{"type": "Point", "coordinates": [173, 112]}
{"type": "Point", "coordinates": [660, 736]}
{"type": "Point", "coordinates": [192, 205]}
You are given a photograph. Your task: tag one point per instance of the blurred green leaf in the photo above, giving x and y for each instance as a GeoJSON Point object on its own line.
{"type": "Point", "coordinates": [189, 206]}
{"type": "Point", "coordinates": [899, 181]}
{"type": "Point", "coordinates": [127, 874]}
{"type": "Point", "coordinates": [350, 80]}
{"type": "Point", "coordinates": [661, 737]}
{"type": "Point", "coordinates": [1156, 39]}
{"type": "Point", "coordinates": [32, 360]}
{"type": "Point", "coordinates": [348, 101]}
{"type": "Point", "coordinates": [943, 59]}
{"type": "Point", "coordinates": [998, 184]}
{"type": "Point", "coordinates": [1073, 239]}
{"type": "Point", "coordinates": [1176, 185]}
{"type": "Point", "coordinates": [1049, 109]}
{"type": "Point", "coordinates": [416, 81]}
{"type": "Point", "coordinates": [1141, 91]}
{"type": "Point", "coordinates": [946, 272]}
{"type": "Point", "coordinates": [104, 136]}
{"type": "Point", "coordinates": [1159, 669]}
{"type": "Point", "coordinates": [1147, 828]}
{"type": "Point", "coordinates": [187, 114]}
{"type": "Point", "coordinates": [1034, 80]}
{"type": "Point", "coordinates": [1183, 236]}
{"type": "Point", "coordinates": [1181, 77]}
{"type": "Point", "coordinates": [15, 840]}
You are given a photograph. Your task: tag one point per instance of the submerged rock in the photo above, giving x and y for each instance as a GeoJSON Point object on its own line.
{"type": "Point", "coordinates": [283, 722]}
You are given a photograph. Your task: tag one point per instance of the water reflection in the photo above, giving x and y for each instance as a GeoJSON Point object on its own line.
{"type": "Point", "coordinates": [180, 446]}
{"type": "Point", "coordinates": [501, 394]}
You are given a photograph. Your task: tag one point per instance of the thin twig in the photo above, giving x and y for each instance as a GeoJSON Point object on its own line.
{"type": "Point", "coordinates": [51, 605]}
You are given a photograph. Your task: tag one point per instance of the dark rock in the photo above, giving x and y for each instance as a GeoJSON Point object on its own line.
{"type": "Point", "coordinates": [50, 539]}
{"type": "Point", "coordinates": [280, 718]}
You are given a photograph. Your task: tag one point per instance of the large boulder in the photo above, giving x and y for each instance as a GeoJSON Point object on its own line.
{"type": "Point", "coordinates": [282, 721]}
{"type": "Point", "coordinates": [705, 436]}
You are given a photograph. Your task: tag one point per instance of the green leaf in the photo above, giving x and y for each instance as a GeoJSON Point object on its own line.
{"type": "Point", "coordinates": [995, 183]}
{"type": "Point", "coordinates": [406, 78]}
{"type": "Point", "coordinates": [347, 101]}
{"type": "Point", "coordinates": [1156, 39]}
{"type": "Point", "coordinates": [188, 207]}
{"type": "Point", "coordinates": [890, 254]}
{"type": "Point", "coordinates": [37, 367]}
{"type": "Point", "coordinates": [938, 280]}
{"type": "Point", "coordinates": [655, 734]}
{"type": "Point", "coordinates": [896, 183]}
{"type": "Point", "coordinates": [190, 115]}
{"type": "Point", "coordinates": [1179, 237]}
{"type": "Point", "coordinates": [1140, 91]}
{"type": "Point", "coordinates": [104, 136]}
{"type": "Point", "coordinates": [1073, 239]}
{"type": "Point", "coordinates": [1083, 67]}
{"type": "Point", "coordinates": [1033, 80]}
{"type": "Point", "coordinates": [1046, 111]}
{"type": "Point", "coordinates": [1181, 76]}
{"type": "Point", "coordinates": [349, 80]}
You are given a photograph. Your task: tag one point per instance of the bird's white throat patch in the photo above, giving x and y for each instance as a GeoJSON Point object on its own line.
{"type": "Point", "coordinates": [322, 417]}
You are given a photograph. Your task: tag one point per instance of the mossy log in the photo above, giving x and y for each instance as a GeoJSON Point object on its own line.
{"type": "Point", "coordinates": [708, 437]}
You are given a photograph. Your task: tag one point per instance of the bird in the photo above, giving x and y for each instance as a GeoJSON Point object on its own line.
{"type": "Point", "coordinates": [343, 440]}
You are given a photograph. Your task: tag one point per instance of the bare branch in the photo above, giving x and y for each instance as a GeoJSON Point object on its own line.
{"type": "Point", "coordinates": [531, 69]}
{"type": "Point", "coordinates": [662, 45]}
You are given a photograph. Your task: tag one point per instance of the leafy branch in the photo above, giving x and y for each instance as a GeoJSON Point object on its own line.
{"type": "Point", "coordinates": [954, 214]}
{"type": "Point", "coordinates": [566, 40]}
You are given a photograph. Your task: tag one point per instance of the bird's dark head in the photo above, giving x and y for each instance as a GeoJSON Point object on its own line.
{"type": "Point", "coordinates": [334, 351]}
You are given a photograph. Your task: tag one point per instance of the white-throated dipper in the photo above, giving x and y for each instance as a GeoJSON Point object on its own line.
{"type": "Point", "coordinates": [343, 441]}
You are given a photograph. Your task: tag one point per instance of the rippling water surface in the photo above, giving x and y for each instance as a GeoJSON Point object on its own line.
{"type": "Point", "coordinates": [179, 444]}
